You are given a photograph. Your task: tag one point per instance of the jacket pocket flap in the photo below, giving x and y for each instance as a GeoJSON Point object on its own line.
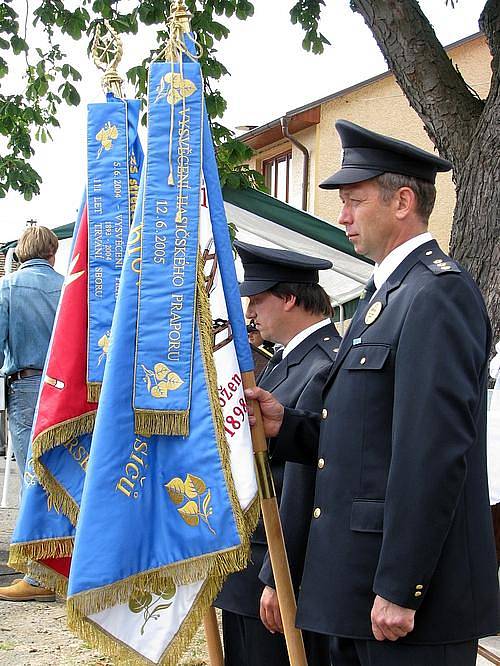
{"type": "Point", "coordinates": [367, 516]}
{"type": "Point", "coordinates": [369, 357]}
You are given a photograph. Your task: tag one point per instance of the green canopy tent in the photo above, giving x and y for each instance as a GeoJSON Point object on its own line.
{"type": "Point", "coordinates": [264, 220]}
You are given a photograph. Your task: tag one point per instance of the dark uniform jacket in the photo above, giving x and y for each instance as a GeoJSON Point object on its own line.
{"type": "Point", "coordinates": [401, 501]}
{"type": "Point", "coordinates": [298, 377]}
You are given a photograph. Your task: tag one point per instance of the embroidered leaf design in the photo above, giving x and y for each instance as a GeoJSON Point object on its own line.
{"type": "Point", "coordinates": [104, 343]}
{"type": "Point", "coordinates": [179, 87]}
{"type": "Point", "coordinates": [113, 132]}
{"type": "Point", "coordinates": [189, 513]}
{"type": "Point", "coordinates": [169, 590]}
{"type": "Point", "coordinates": [206, 501]}
{"type": "Point", "coordinates": [161, 607]}
{"type": "Point", "coordinates": [173, 381]}
{"type": "Point", "coordinates": [160, 390]}
{"type": "Point", "coordinates": [139, 601]}
{"type": "Point", "coordinates": [101, 134]}
{"type": "Point", "coordinates": [194, 486]}
{"type": "Point", "coordinates": [175, 489]}
{"type": "Point", "coordinates": [161, 370]}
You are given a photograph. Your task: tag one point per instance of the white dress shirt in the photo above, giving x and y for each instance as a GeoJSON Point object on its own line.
{"type": "Point", "coordinates": [297, 339]}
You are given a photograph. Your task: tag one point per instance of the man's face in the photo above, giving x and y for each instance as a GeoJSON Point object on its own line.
{"type": "Point", "coordinates": [369, 222]}
{"type": "Point", "coordinates": [266, 310]}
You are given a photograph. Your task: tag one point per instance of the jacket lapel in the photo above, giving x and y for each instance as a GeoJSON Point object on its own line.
{"type": "Point", "coordinates": [278, 375]}
{"type": "Point", "coordinates": [393, 282]}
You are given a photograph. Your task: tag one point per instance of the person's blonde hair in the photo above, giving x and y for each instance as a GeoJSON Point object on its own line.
{"type": "Point", "coordinates": [36, 243]}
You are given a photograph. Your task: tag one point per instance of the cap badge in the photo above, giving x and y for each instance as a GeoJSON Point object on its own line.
{"type": "Point", "coordinates": [373, 312]}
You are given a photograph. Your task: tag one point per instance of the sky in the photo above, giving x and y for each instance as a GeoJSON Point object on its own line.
{"type": "Point", "coordinates": [270, 74]}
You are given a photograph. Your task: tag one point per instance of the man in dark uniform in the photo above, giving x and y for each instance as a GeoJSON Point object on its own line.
{"type": "Point", "coordinates": [400, 565]}
{"type": "Point", "coordinates": [288, 307]}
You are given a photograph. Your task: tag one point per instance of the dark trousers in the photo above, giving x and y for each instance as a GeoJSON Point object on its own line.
{"type": "Point", "coordinates": [351, 652]}
{"type": "Point", "coordinates": [248, 643]}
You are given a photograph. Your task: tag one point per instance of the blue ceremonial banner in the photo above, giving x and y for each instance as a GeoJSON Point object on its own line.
{"type": "Point", "coordinates": [113, 164]}
{"type": "Point", "coordinates": [179, 508]}
{"type": "Point", "coordinates": [164, 347]}
{"type": "Point", "coordinates": [62, 432]}
{"type": "Point", "coordinates": [43, 537]}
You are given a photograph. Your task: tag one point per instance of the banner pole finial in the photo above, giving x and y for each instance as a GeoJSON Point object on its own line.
{"type": "Point", "coordinates": [107, 52]}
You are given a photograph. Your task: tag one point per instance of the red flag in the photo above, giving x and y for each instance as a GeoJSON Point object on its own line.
{"type": "Point", "coordinates": [64, 411]}
{"type": "Point", "coordinates": [63, 398]}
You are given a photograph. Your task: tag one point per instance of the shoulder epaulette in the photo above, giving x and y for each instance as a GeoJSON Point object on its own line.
{"type": "Point", "coordinates": [438, 262]}
{"type": "Point", "coordinates": [330, 344]}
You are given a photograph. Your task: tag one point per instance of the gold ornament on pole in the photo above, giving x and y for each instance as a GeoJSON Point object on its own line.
{"type": "Point", "coordinates": [107, 52]}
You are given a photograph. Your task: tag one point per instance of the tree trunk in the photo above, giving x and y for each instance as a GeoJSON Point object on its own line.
{"type": "Point", "coordinates": [463, 128]}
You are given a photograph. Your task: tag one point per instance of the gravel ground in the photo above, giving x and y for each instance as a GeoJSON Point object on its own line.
{"type": "Point", "coordinates": [35, 634]}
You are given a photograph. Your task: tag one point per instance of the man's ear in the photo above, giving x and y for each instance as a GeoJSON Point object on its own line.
{"type": "Point", "coordinates": [406, 201]}
{"type": "Point", "coordinates": [289, 301]}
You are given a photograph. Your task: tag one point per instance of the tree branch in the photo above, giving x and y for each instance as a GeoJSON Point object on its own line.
{"type": "Point", "coordinates": [489, 22]}
{"type": "Point", "coordinates": [434, 88]}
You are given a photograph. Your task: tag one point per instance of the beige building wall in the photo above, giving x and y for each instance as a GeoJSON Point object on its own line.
{"type": "Point", "coordinates": [382, 107]}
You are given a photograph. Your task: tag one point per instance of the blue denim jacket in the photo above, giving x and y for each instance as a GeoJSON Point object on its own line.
{"type": "Point", "coordinates": [28, 303]}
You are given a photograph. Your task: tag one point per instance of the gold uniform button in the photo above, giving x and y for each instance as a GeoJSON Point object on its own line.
{"type": "Point", "coordinates": [363, 360]}
{"type": "Point", "coordinates": [321, 463]}
{"type": "Point", "coordinates": [418, 594]}
{"type": "Point", "coordinates": [419, 587]}
{"type": "Point", "coordinates": [317, 512]}
{"type": "Point", "coordinates": [324, 413]}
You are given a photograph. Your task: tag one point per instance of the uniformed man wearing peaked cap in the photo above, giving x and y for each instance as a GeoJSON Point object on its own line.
{"type": "Point", "coordinates": [288, 307]}
{"type": "Point", "coordinates": [400, 565]}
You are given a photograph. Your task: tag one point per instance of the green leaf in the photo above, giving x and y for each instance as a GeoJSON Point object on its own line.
{"type": "Point", "coordinates": [18, 44]}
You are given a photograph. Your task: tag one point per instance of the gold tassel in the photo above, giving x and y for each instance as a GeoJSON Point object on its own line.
{"type": "Point", "coordinates": [93, 391]}
{"type": "Point", "coordinates": [150, 422]}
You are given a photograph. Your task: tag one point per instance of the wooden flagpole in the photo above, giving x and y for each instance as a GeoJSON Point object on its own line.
{"type": "Point", "coordinates": [274, 535]}
{"type": "Point", "coordinates": [212, 635]}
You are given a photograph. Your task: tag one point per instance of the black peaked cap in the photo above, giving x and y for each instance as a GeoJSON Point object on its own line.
{"type": "Point", "coordinates": [265, 267]}
{"type": "Point", "coordinates": [367, 154]}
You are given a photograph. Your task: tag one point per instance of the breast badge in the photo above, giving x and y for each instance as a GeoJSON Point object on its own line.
{"type": "Point", "coordinates": [373, 312]}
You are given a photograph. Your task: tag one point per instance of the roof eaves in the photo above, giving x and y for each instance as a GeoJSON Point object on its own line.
{"type": "Point", "coordinates": [340, 93]}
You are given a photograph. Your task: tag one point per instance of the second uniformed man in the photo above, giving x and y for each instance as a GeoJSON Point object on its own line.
{"type": "Point", "coordinates": [290, 308]}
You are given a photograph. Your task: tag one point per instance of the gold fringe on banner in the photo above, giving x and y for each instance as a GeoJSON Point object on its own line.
{"type": "Point", "coordinates": [23, 557]}
{"type": "Point", "coordinates": [246, 522]}
{"type": "Point", "coordinates": [150, 422]}
{"type": "Point", "coordinates": [60, 435]}
{"type": "Point", "coordinates": [93, 391]}
{"type": "Point", "coordinates": [124, 654]}
{"type": "Point", "coordinates": [218, 565]}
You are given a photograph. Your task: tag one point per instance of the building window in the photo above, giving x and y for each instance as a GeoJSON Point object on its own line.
{"type": "Point", "coordinates": [277, 175]}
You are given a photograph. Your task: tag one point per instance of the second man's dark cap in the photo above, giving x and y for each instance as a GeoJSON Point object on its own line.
{"type": "Point", "coordinates": [265, 267]}
{"type": "Point", "coordinates": [367, 154]}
